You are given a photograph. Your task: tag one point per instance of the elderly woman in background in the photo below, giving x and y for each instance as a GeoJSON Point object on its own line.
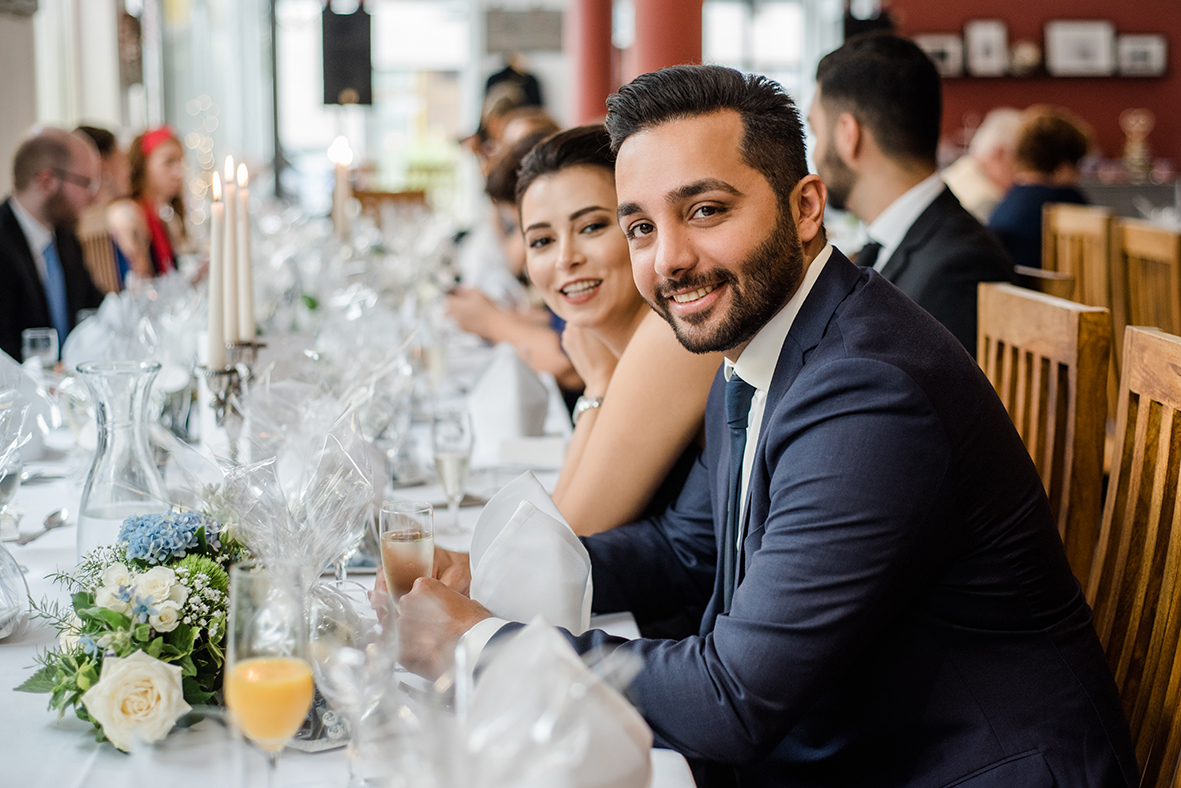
{"type": "Point", "coordinates": [1050, 145]}
{"type": "Point", "coordinates": [149, 227]}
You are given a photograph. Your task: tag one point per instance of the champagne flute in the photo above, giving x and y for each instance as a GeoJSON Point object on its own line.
{"type": "Point", "coordinates": [407, 544]}
{"type": "Point", "coordinates": [268, 678]}
{"type": "Point", "coordinates": [41, 343]}
{"type": "Point", "coordinates": [451, 438]}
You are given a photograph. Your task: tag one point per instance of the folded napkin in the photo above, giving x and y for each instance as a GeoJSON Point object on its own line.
{"type": "Point", "coordinates": [527, 562]}
{"type": "Point", "coordinates": [539, 717]}
{"type": "Point", "coordinates": [507, 401]}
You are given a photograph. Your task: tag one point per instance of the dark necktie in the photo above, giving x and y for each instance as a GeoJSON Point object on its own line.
{"type": "Point", "coordinates": [738, 397]}
{"type": "Point", "coordinates": [55, 294]}
{"type": "Point", "coordinates": [869, 254]}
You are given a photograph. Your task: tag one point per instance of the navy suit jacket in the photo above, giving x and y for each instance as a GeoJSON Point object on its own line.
{"type": "Point", "coordinates": [22, 295]}
{"type": "Point", "coordinates": [942, 258]}
{"type": "Point", "coordinates": [905, 614]}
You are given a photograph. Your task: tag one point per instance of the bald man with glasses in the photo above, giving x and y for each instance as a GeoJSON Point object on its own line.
{"type": "Point", "coordinates": [43, 281]}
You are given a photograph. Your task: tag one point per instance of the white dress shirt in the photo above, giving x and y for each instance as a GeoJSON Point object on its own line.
{"type": "Point", "coordinates": [38, 235]}
{"type": "Point", "coordinates": [757, 364]}
{"type": "Point", "coordinates": [894, 223]}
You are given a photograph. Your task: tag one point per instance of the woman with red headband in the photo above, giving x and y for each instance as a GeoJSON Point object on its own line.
{"type": "Point", "coordinates": [149, 227]}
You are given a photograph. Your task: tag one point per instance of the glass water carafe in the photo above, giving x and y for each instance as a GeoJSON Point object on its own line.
{"type": "Point", "coordinates": [123, 479]}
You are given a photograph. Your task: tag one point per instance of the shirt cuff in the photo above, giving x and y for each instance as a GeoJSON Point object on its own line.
{"type": "Point", "coordinates": [473, 641]}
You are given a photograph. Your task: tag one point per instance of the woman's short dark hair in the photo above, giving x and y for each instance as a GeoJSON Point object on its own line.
{"type": "Point", "coordinates": [584, 146]}
{"type": "Point", "coordinates": [103, 139]}
{"type": "Point", "coordinates": [772, 140]}
{"type": "Point", "coordinates": [891, 87]}
{"type": "Point", "coordinates": [1049, 138]}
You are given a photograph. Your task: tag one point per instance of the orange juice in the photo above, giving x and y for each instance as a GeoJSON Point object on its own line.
{"type": "Point", "coordinates": [270, 698]}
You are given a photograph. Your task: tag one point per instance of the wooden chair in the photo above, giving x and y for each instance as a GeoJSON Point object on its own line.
{"type": "Point", "coordinates": [1048, 358]}
{"type": "Point", "coordinates": [1076, 240]}
{"type": "Point", "coordinates": [98, 253]}
{"type": "Point", "coordinates": [372, 202]}
{"type": "Point", "coordinates": [1135, 583]}
{"type": "Point", "coordinates": [1149, 259]}
{"type": "Point", "coordinates": [1049, 282]}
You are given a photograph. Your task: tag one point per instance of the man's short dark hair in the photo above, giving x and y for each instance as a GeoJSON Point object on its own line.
{"type": "Point", "coordinates": [772, 139]}
{"type": "Point", "coordinates": [501, 185]}
{"type": "Point", "coordinates": [587, 146]}
{"type": "Point", "coordinates": [38, 153]}
{"type": "Point", "coordinates": [103, 139]}
{"type": "Point", "coordinates": [1050, 138]}
{"type": "Point", "coordinates": [891, 87]}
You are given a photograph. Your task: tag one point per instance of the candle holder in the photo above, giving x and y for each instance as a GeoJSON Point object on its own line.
{"type": "Point", "coordinates": [242, 355]}
{"type": "Point", "coordinates": [225, 384]}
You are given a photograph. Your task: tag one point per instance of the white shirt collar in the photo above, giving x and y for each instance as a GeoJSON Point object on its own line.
{"type": "Point", "coordinates": [38, 235]}
{"type": "Point", "coordinates": [892, 224]}
{"type": "Point", "coordinates": [757, 363]}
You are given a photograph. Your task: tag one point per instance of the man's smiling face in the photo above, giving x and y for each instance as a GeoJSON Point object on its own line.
{"type": "Point", "coordinates": [712, 250]}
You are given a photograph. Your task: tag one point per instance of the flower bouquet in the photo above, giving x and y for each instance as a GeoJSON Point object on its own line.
{"type": "Point", "coordinates": [144, 634]}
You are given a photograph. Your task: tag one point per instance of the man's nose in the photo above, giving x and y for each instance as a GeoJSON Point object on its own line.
{"type": "Point", "coordinates": [674, 253]}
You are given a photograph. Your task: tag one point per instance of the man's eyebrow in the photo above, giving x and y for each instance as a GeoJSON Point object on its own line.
{"type": "Point", "coordinates": [627, 209]}
{"type": "Point", "coordinates": [699, 187]}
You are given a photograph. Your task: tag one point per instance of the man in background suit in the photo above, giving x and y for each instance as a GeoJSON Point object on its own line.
{"type": "Point", "coordinates": [886, 598]}
{"type": "Point", "coordinates": [876, 117]}
{"type": "Point", "coordinates": [43, 280]}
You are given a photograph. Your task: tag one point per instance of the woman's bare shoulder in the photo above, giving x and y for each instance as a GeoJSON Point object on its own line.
{"type": "Point", "coordinates": [654, 345]}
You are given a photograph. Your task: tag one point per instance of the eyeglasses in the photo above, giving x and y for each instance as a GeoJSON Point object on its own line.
{"type": "Point", "coordinates": [91, 185]}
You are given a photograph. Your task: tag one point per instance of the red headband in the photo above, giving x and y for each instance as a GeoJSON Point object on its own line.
{"type": "Point", "coordinates": [152, 139]}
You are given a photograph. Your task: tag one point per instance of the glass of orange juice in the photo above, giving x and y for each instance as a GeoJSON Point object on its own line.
{"type": "Point", "coordinates": [268, 680]}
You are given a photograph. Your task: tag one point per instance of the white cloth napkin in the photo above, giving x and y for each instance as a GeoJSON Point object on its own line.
{"type": "Point", "coordinates": [507, 401]}
{"type": "Point", "coordinates": [527, 562]}
{"type": "Point", "coordinates": [539, 717]}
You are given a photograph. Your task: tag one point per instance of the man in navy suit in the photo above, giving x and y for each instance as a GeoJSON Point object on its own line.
{"type": "Point", "coordinates": [886, 598]}
{"type": "Point", "coordinates": [876, 117]}
{"type": "Point", "coordinates": [43, 280]}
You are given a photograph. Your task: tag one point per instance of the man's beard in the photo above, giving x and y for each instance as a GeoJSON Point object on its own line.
{"type": "Point", "coordinates": [765, 280]}
{"type": "Point", "coordinates": [838, 177]}
{"type": "Point", "coordinates": [60, 211]}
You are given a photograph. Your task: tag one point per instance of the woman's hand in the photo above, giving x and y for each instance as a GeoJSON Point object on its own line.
{"type": "Point", "coordinates": [592, 359]}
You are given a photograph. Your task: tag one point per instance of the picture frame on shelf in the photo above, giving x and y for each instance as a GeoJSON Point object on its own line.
{"type": "Point", "coordinates": [1076, 48]}
{"type": "Point", "coordinates": [986, 48]}
{"type": "Point", "coordinates": [946, 51]}
{"type": "Point", "coordinates": [1143, 55]}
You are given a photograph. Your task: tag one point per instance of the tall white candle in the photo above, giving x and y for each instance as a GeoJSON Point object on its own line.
{"type": "Point", "coordinates": [245, 267]}
{"type": "Point", "coordinates": [230, 279]}
{"type": "Point", "coordinates": [217, 220]}
{"type": "Point", "coordinates": [342, 156]}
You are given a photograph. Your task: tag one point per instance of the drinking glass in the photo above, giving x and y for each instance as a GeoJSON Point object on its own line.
{"type": "Point", "coordinates": [451, 438]}
{"type": "Point", "coordinates": [407, 544]}
{"type": "Point", "coordinates": [268, 678]}
{"type": "Point", "coordinates": [42, 343]}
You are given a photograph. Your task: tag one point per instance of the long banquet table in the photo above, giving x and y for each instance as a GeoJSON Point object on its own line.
{"type": "Point", "coordinates": [38, 750]}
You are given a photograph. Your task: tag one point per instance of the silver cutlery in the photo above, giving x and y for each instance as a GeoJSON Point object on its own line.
{"type": "Point", "coordinates": [53, 520]}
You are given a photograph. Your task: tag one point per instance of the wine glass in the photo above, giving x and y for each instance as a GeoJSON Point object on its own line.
{"type": "Point", "coordinates": [268, 678]}
{"type": "Point", "coordinates": [451, 438]}
{"type": "Point", "coordinates": [407, 544]}
{"type": "Point", "coordinates": [11, 468]}
{"type": "Point", "coordinates": [42, 343]}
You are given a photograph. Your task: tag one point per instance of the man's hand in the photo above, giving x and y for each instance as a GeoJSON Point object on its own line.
{"type": "Point", "coordinates": [473, 311]}
{"type": "Point", "coordinates": [454, 570]}
{"type": "Point", "coordinates": [431, 620]}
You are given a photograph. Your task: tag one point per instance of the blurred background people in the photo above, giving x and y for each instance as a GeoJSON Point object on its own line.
{"type": "Point", "coordinates": [1050, 145]}
{"type": "Point", "coordinates": [980, 178]}
{"type": "Point", "coordinates": [149, 226]}
{"type": "Point", "coordinates": [107, 265]}
{"type": "Point", "coordinates": [43, 281]}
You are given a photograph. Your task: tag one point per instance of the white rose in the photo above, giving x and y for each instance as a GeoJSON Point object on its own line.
{"type": "Point", "coordinates": [179, 593]}
{"type": "Point", "coordinates": [116, 575]}
{"type": "Point", "coordinates": [167, 616]}
{"type": "Point", "coordinates": [137, 697]}
{"type": "Point", "coordinates": [68, 638]}
{"type": "Point", "coordinates": [157, 583]}
{"type": "Point", "coordinates": [105, 597]}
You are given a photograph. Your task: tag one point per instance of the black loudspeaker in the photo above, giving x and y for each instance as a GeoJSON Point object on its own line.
{"type": "Point", "coordinates": [348, 56]}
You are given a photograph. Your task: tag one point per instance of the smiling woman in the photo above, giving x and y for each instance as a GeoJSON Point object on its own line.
{"type": "Point", "coordinates": [642, 411]}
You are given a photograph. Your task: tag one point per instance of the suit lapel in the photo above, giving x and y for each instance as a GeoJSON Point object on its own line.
{"type": "Point", "coordinates": [917, 235]}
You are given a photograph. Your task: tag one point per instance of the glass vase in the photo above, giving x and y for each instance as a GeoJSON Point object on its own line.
{"type": "Point", "coordinates": [123, 479]}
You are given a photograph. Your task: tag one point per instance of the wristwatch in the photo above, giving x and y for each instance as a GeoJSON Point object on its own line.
{"type": "Point", "coordinates": [584, 404]}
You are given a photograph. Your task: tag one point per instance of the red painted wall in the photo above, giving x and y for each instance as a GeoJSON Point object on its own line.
{"type": "Point", "coordinates": [1098, 101]}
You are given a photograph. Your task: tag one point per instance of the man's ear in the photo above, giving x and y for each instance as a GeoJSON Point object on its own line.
{"type": "Point", "coordinates": [808, 199]}
{"type": "Point", "coordinates": [848, 137]}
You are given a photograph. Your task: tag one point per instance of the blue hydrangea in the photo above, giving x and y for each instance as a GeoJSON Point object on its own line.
{"type": "Point", "coordinates": [158, 538]}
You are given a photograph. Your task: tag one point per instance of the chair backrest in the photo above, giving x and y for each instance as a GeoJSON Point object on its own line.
{"type": "Point", "coordinates": [374, 203]}
{"type": "Point", "coordinates": [1076, 240]}
{"type": "Point", "coordinates": [1149, 258]}
{"type": "Point", "coordinates": [1049, 282]}
{"type": "Point", "coordinates": [1135, 583]}
{"type": "Point", "coordinates": [1048, 358]}
{"type": "Point", "coordinates": [98, 253]}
